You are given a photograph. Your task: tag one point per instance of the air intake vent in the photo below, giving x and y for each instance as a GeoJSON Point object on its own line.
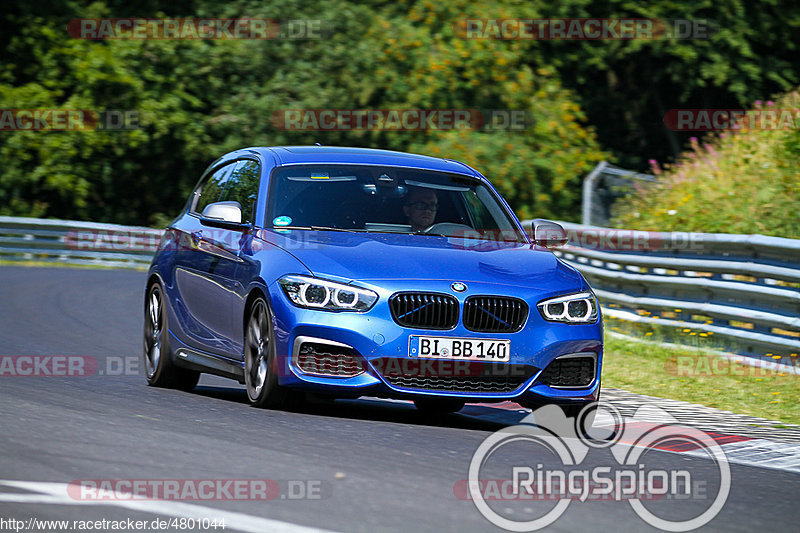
{"type": "Point", "coordinates": [450, 376]}
{"type": "Point", "coordinates": [570, 372]}
{"type": "Point", "coordinates": [328, 360]}
{"type": "Point", "coordinates": [424, 310]}
{"type": "Point", "coordinates": [494, 314]}
{"type": "Point", "coordinates": [476, 385]}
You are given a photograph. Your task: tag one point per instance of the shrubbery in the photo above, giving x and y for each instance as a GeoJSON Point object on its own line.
{"type": "Point", "coordinates": [742, 181]}
{"type": "Point", "coordinates": [200, 99]}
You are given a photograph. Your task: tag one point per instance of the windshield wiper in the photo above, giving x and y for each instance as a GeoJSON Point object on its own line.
{"type": "Point", "coordinates": [320, 228]}
{"type": "Point", "coordinates": [326, 228]}
{"type": "Point", "coordinates": [429, 233]}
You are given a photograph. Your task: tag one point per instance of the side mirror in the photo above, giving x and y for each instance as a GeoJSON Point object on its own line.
{"type": "Point", "coordinates": [548, 234]}
{"type": "Point", "coordinates": [223, 214]}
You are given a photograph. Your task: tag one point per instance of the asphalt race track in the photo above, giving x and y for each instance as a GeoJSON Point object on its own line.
{"type": "Point", "coordinates": [358, 465]}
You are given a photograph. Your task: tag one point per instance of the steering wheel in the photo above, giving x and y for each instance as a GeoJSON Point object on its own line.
{"type": "Point", "coordinates": [448, 228]}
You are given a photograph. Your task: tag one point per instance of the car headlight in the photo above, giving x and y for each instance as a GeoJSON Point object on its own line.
{"type": "Point", "coordinates": [578, 308]}
{"type": "Point", "coordinates": [315, 293]}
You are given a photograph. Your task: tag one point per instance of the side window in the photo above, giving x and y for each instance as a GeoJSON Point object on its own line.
{"type": "Point", "coordinates": [482, 219]}
{"type": "Point", "coordinates": [242, 187]}
{"type": "Point", "coordinates": [212, 188]}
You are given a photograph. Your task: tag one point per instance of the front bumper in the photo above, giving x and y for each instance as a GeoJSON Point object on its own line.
{"type": "Point", "coordinates": [382, 348]}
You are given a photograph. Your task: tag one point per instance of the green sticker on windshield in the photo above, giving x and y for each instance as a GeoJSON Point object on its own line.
{"type": "Point", "coordinates": [282, 221]}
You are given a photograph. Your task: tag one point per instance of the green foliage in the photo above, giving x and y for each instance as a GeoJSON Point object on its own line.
{"type": "Point", "coordinates": [199, 99]}
{"type": "Point", "coordinates": [626, 87]}
{"type": "Point", "coordinates": [427, 64]}
{"type": "Point", "coordinates": [741, 183]}
{"type": "Point", "coordinates": [118, 176]}
{"type": "Point", "coordinates": [538, 180]}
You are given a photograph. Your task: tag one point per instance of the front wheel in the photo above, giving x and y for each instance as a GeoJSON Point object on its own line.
{"type": "Point", "coordinates": [584, 415]}
{"type": "Point", "coordinates": [160, 370]}
{"type": "Point", "coordinates": [579, 415]}
{"type": "Point", "coordinates": [260, 364]}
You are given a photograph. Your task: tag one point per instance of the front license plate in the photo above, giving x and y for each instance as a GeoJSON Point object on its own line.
{"type": "Point", "coordinates": [459, 348]}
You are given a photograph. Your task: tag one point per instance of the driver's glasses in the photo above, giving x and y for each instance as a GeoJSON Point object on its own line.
{"type": "Point", "coordinates": [424, 206]}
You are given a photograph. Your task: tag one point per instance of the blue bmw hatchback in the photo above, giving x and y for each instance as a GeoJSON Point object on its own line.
{"type": "Point", "coordinates": [352, 272]}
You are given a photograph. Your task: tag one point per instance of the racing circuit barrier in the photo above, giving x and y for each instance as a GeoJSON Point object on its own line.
{"type": "Point", "coordinates": [77, 243]}
{"type": "Point", "coordinates": [742, 290]}
{"type": "Point", "coordinates": [604, 185]}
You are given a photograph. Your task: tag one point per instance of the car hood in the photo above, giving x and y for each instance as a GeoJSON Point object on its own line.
{"type": "Point", "coordinates": [383, 256]}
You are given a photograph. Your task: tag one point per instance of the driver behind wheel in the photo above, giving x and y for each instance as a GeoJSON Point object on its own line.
{"type": "Point", "coordinates": [420, 208]}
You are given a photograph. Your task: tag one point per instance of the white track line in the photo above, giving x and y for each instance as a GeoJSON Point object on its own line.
{"type": "Point", "coordinates": [760, 453]}
{"type": "Point", "coordinates": [56, 494]}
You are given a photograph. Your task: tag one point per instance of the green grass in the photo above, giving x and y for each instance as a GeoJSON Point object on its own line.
{"type": "Point", "coordinates": [702, 378]}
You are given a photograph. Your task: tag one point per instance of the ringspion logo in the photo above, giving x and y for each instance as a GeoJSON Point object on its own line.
{"type": "Point", "coordinates": [546, 462]}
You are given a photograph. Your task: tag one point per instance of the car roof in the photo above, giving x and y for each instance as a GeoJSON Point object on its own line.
{"type": "Point", "coordinates": [289, 155]}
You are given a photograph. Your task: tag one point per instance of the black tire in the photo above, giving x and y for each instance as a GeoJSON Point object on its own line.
{"type": "Point", "coordinates": [584, 415]}
{"type": "Point", "coordinates": [583, 420]}
{"type": "Point", "coordinates": [438, 406]}
{"type": "Point", "coordinates": [160, 370]}
{"type": "Point", "coordinates": [260, 363]}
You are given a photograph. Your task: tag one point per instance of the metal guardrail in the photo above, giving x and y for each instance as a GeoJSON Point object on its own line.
{"type": "Point", "coordinates": [744, 290]}
{"type": "Point", "coordinates": [604, 185]}
{"type": "Point", "coordinates": [77, 243]}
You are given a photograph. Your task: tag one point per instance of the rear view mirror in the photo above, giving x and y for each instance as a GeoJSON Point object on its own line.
{"type": "Point", "coordinates": [223, 214]}
{"type": "Point", "coordinates": [548, 234]}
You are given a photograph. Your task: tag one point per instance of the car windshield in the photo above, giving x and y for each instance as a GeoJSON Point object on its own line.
{"type": "Point", "coordinates": [386, 200]}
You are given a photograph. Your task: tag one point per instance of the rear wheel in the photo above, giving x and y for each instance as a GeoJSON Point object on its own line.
{"type": "Point", "coordinates": [438, 406]}
{"type": "Point", "coordinates": [160, 370]}
{"type": "Point", "coordinates": [260, 364]}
